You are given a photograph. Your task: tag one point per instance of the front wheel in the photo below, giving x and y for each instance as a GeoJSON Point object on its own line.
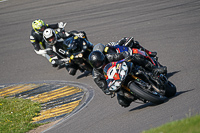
{"type": "Point", "coordinates": [139, 92]}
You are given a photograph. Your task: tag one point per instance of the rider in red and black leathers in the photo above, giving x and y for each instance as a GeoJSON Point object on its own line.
{"type": "Point", "coordinates": [130, 42]}
{"type": "Point", "coordinates": [102, 55]}
{"type": "Point", "coordinates": [110, 56]}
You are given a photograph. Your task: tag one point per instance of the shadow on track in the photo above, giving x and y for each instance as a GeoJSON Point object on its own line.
{"type": "Point", "coordinates": [171, 74]}
{"type": "Point", "coordinates": [142, 106]}
{"type": "Point", "coordinates": [151, 104]}
{"type": "Point", "coordinates": [182, 92]}
{"type": "Point", "coordinates": [85, 74]}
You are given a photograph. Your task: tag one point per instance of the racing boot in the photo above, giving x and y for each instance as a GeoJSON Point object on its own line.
{"type": "Point", "coordinates": [71, 68]}
{"type": "Point", "coordinates": [124, 98]}
{"type": "Point", "coordinates": [156, 70]}
{"type": "Point", "coordinates": [152, 54]}
{"type": "Point", "coordinates": [123, 101]}
{"type": "Point", "coordinates": [160, 70]}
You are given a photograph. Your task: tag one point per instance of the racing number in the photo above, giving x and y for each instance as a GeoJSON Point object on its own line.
{"type": "Point", "coordinates": [61, 51]}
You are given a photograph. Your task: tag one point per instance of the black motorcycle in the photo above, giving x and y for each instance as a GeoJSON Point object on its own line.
{"type": "Point", "coordinates": [138, 82]}
{"type": "Point", "coordinates": [74, 52]}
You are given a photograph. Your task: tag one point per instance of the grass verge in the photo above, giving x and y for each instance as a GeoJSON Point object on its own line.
{"type": "Point", "coordinates": [16, 115]}
{"type": "Point", "coordinates": [187, 125]}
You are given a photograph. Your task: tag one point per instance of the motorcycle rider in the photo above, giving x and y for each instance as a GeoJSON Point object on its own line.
{"type": "Point", "coordinates": [130, 42]}
{"type": "Point", "coordinates": [69, 47]}
{"type": "Point", "coordinates": [76, 46]}
{"type": "Point", "coordinates": [51, 38]}
{"type": "Point", "coordinates": [36, 38]}
{"type": "Point", "coordinates": [102, 55]}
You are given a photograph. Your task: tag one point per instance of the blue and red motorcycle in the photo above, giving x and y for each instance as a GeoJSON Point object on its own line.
{"type": "Point", "coordinates": [147, 87]}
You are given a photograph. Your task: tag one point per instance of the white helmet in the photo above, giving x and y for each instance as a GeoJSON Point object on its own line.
{"type": "Point", "coordinates": [49, 36]}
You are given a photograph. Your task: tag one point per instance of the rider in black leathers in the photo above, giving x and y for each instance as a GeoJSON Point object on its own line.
{"type": "Point", "coordinates": [36, 37]}
{"type": "Point", "coordinates": [101, 56]}
{"type": "Point", "coordinates": [62, 46]}
{"type": "Point", "coordinates": [75, 46]}
{"type": "Point", "coordinates": [43, 48]}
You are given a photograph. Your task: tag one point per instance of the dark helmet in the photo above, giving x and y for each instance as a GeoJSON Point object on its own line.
{"type": "Point", "coordinates": [72, 44]}
{"type": "Point", "coordinates": [99, 47]}
{"type": "Point", "coordinates": [96, 59]}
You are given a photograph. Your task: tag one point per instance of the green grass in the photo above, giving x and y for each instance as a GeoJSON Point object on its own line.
{"type": "Point", "coordinates": [16, 115]}
{"type": "Point", "coordinates": [187, 125]}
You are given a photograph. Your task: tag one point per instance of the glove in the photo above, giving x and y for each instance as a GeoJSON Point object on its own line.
{"type": "Point", "coordinates": [57, 62]}
{"type": "Point", "coordinates": [81, 35]}
{"type": "Point", "coordinates": [112, 44]}
{"type": "Point", "coordinates": [54, 63]}
{"type": "Point", "coordinates": [66, 61]}
{"type": "Point", "coordinates": [61, 25]}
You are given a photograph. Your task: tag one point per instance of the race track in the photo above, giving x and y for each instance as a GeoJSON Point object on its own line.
{"type": "Point", "coordinates": [171, 28]}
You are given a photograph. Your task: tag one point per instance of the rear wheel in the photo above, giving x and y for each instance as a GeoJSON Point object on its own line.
{"type": "Point", "coordinates": [146, 95]}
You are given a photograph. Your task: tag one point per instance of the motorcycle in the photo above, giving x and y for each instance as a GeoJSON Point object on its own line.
{"type": "Point", "coordinates": [80, 60]}
{"type": "Point", "coordinates": [138, 82]}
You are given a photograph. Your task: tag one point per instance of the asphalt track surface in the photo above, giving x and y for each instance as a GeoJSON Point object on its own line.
{"type": "Point", "coordinates": [171, 28]}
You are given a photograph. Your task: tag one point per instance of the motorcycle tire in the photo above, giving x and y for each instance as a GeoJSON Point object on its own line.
{"type": "Point", "coordinates": [139, 92]}
{"type": "Point", "coordinates": [170, 90]}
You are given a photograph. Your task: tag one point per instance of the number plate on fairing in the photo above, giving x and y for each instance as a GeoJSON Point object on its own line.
{"type": "Point", "coordinates": [115, 73]}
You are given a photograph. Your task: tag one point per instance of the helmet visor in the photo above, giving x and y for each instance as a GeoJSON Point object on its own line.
{"type": "Point", "coordinates": [98, 65]}
{"type": "Point", "coordinates": [51, 39]}
{"type": "Point", "coordinates": [42, 29]}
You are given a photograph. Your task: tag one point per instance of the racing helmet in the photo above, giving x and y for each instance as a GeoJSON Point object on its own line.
{"type": "Point", "coordinates": [97, 59]}
{"type": "Point", "coordinates": [38, 25]}
{"type": "Point", "coordinates": [50, 36]}
{"type": "Point", "coordinates": [99, 47]}
{"type": "Point", "coordinates": [72, 44]}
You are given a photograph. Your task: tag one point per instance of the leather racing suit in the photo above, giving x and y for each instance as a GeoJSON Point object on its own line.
{"type": "Point", "coordinates": [111, 55]}
{"type": "Point", "coordinates": [76, 45]}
